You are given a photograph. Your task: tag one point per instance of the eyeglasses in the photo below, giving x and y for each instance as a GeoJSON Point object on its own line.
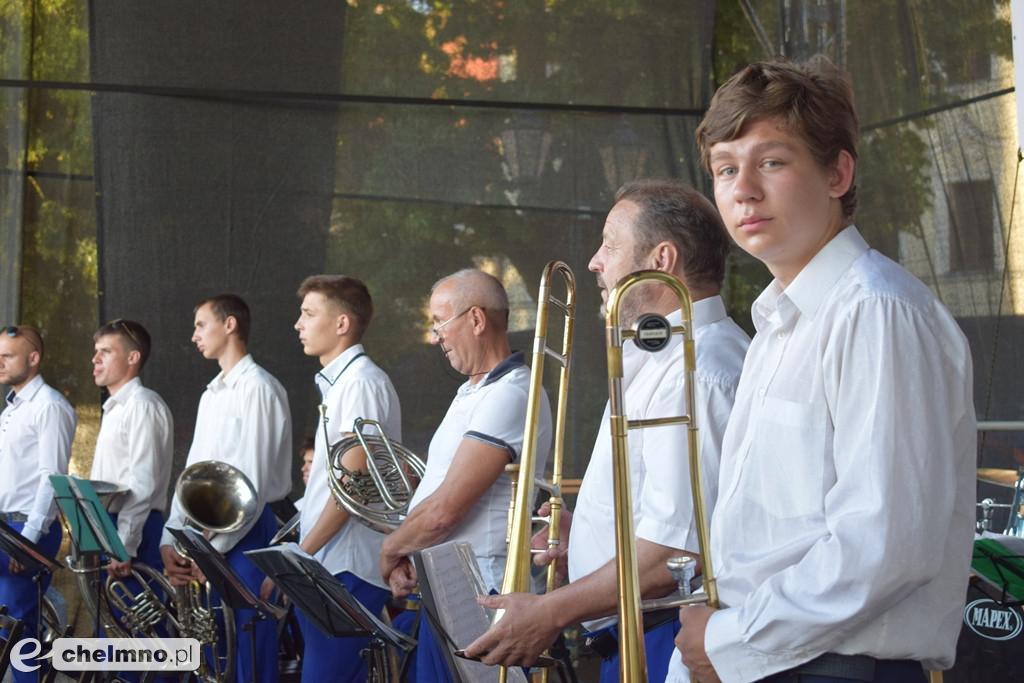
{"type": "Point", "coordinates": [435, 330]}
{"type": "Point", "coordinates": [120, 323]}
{"type": "Point", "coordinates": [12, 331]}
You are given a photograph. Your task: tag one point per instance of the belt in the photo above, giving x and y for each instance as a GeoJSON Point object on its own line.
{"type": "Point", "coordinates": [13, 517]}
{"type": "Point", "coordinates": [606, 644]}
{"type": "Point", "coordinates": [849, 667]}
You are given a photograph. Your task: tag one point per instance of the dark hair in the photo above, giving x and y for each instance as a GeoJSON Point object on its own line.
{"type": "Point", "coordinates": [671, 210]}
{"type": "Point", "coordinates": [308, 444]}
{"type": "Point", "coordinates": [133, 335]}
{"type": "Point", "coordinates": [224, 306]}
{"type": "Point", "coordinates": [812, 100]}
{"type": "Point", "coordinates": [347, 292]}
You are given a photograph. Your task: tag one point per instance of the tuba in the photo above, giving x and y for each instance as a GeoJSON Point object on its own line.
{"type": "Point", "coordinates": [217, 498]}
{"type": "Point", "coordinates": [141, 608]}
{"type": "Point", "coordinates": [517, 563]}
{"type": "Point", "coordinates": [379, 496]}
{"type": "Point", "coordinates": [651, 332]}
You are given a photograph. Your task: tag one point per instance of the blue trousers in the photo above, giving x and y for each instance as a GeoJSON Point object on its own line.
{"type": "Point", "coordinates": [431, 665]}
{"type": "Point", "coordinates": [659, 646]}
{"type": "Point", "coordinates": [264, 633]}
{"type": "Point", "coordinates": [20, 592]}
{"type": "Point", "coordinates": [330, 660]}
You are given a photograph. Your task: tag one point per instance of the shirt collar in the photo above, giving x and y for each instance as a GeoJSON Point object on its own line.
{"type": "Point", "coordinates": [231, 378]}
{"type": "Point", "coordinates": [516, 360]}
{"type": "Point", "coordinates": [813, 283]}
{"type": "Point", "coordinates": [327, 377]}
{"type": "Point", "coordinates": [123, 394]}
{"type": "Point", "coordinates": [27, 392]}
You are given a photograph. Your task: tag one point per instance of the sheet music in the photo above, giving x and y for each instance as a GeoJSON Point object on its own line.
{"type": "Point", "coordinates": [451, 576]}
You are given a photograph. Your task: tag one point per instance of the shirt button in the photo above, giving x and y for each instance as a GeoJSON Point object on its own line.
{"type": "Point", "coordinates": [782, 335]}
{"type": "Point", "coordinates": [761, 392]}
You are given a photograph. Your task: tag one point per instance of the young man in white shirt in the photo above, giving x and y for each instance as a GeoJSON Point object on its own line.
{"type": "Point", "coordinates": [37, 427]}
{"type": "Point", "coordinates": [134, 448]}
{"type": "Point", "coordinates": [664, 225]}
{"type": "Point", "coordinates": [335, 312]}
{"type": "Point", "coordinates": [842, 536]}
{"type": "Point", "coordinates": [244, 420]}
{"type": "Point", "coordinates": [465, 492]}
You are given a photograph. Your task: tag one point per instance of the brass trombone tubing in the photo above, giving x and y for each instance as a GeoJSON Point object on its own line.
{"type": "Point", "coordinates": [632, 660]}
{"type": "Point", "coordinates": [518, 560]}
{"type": "Point", "coordinates": [517, 563]}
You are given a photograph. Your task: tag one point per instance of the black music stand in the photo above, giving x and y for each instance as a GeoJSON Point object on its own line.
{"type": "Point", "coordinates": [225, 581]}
{"type": "Point", "coordinates": [325, 600]}
{"type": "Point", "coordinates": [34, 559]}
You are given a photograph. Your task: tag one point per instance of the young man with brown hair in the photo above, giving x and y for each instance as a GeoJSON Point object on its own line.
{"type": "Point", "coordinates": [843, 530]}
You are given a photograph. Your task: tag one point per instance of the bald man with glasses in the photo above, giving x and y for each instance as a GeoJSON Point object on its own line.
{"type": "Point", "coordinates": [37, 427]}
{"type": "Point", "coordinates": [465, 492]}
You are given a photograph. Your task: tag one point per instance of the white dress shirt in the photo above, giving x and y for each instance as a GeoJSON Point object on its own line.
{"type": "Point", "coordinates": [36, 431]}
{"type": "Point", "coordinates": [134, 449]}
{"type": "Point", "coordinates": [243, 420]}
{"type": "Point", "coordinates": [352, 387]}
{"type": "Point", "coordinates": [846, 510]}
{"type": "Point", "coordinates": [655, 386]}
{"type": "Point", "coordinates": [492, 411]}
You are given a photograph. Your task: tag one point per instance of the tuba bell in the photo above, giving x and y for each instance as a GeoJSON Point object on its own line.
{"type": "Point", "coordinates": [652, 333]}
{"type": "Point", "coordinates": [378, 497]}
{"type": "Point", "coordinates": [218, 498]}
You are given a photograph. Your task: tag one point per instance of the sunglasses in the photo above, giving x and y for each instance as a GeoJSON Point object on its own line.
{"type": "Point", "coordinates": [12, 331]}
{"type": "Point", "coordinates": [121, 324]}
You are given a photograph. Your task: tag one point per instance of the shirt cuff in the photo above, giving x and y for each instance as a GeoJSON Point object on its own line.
{"type": "Point", "coordinates": [32, 533]}
{"type": "Point", "coordinates": [733, 660]}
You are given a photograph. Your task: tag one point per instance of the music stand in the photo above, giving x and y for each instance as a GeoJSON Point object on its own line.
{"type": "Point", "coordinates": [450, 580]}
{"type": "Point", "coordinates": [34, 559]}
{"type": "Point", "coordinates": [91, 529]}
{"type": "Point", "coordinates": [225, 581]}
{"type": "Point", "coordinates": [325, 600]}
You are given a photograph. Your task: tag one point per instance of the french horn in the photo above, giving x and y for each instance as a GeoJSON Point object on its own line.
{"type": "Point", "coordinates": [378, 497]}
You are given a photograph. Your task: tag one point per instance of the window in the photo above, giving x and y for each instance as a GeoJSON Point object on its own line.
{"type": "Point", "coordinates": [970, 225]}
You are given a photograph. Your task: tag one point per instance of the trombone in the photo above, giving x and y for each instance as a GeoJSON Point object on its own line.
{"type": "Point", "coordinates": [651, 332]}
{"type": "Point", "coordinates": [517, 563]}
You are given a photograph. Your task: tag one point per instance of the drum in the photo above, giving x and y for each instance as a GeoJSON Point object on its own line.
{"type": "Point", "coordinates": [991, 643]}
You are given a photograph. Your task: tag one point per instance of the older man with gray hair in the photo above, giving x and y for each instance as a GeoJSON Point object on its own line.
{"type": "Point", "coordinates": [464, 494]}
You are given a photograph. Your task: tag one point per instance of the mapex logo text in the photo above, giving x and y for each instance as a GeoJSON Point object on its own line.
{"type": "Point", "coordinates": [110, 654]}
{"type": "Point", "coordinates": [993, 621]}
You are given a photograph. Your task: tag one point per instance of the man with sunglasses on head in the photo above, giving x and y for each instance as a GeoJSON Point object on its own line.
{"type": "Point", "coordinates": [243, 420]}
{"type": "Point", "coordinates": [37, 427]}
{"type": "Point", "coordinates": [465, 492]}
{"type": "Point", "coordinates": [134, 448]}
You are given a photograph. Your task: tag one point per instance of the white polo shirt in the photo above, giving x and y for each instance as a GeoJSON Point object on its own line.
{"type": "Point", "coordinates": [351, 386]}
{"type": "Point", "coordinates": [493, 411]}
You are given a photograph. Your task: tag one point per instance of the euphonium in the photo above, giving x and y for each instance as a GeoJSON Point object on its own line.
{"type": "Point", "coordinates": [652, 332]}
{"type": "Point", "coordinates": [142, 610]}
{"type": "Point", "coordinates": [378, 497]}
{"type": "Point", "coordinates": [218, 498]}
